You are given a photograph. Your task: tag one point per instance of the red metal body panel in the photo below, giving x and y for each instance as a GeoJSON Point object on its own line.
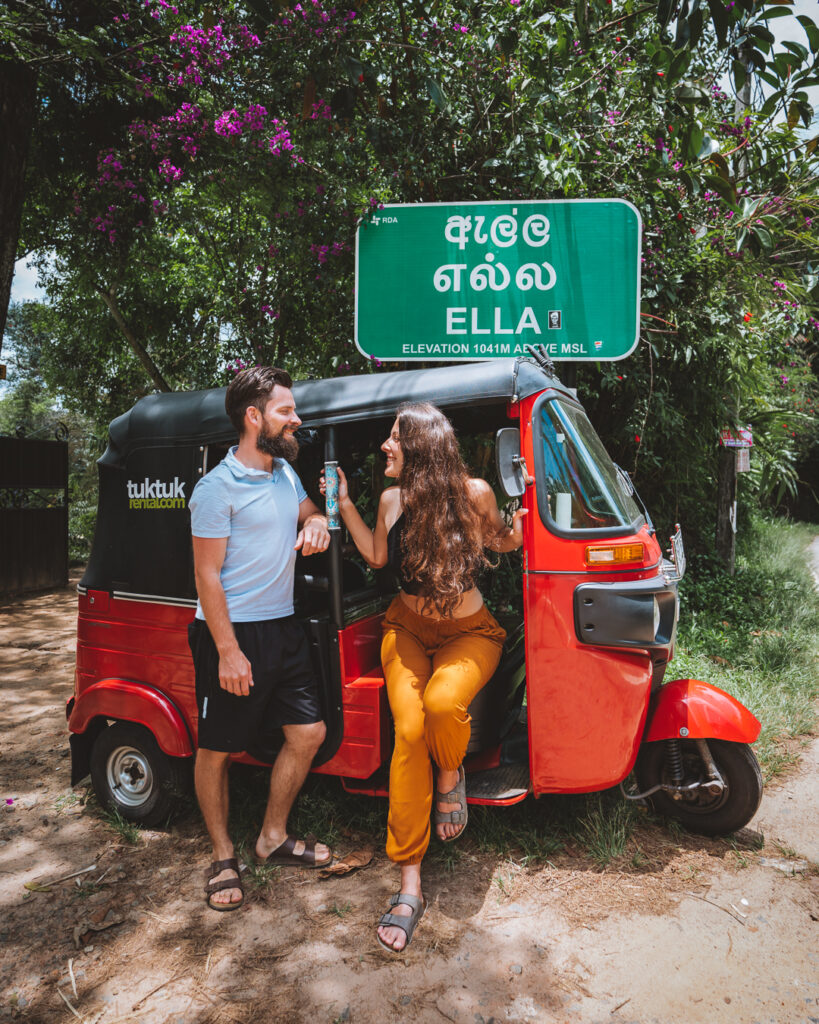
{"type": "Point", "coordinates": [123, 645]}
{"type": "Point", "coordinates": [363, 701]}
{"type": "Point", "coordinates": [704, 710]}
{"type": "Point", "coordinates": [143, 641]}
{"type": "Point", "coordinates": [133, 702]}
{"type": "Point", "coordinates": [586, 705]}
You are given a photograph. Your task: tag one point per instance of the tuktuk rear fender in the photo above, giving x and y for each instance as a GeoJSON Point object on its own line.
{"type": "Point", "coordinates": [128, 701]}
{"type": "Point", "coordinates": [690, 708]}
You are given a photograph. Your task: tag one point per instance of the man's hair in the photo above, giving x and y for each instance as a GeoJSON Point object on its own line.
{"type": "Point", "coordinates": [253, 386]}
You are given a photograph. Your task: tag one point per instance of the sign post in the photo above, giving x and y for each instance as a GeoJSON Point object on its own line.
{"type": "Point", "coordinates": [466, 281]}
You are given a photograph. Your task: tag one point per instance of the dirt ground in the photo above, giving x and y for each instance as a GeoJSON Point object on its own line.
{"type": "Point", "coordinates": [678, 929]}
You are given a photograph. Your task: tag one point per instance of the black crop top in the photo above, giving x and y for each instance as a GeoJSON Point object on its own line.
{"type": "Point", "coordinates": [395, 558]}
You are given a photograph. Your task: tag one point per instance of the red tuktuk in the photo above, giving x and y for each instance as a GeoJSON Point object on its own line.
{"type": "Point", "coordinates": [579, 699]}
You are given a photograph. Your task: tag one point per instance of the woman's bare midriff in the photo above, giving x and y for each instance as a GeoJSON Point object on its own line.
{"type": "Point", "coordinates": [470, 602]}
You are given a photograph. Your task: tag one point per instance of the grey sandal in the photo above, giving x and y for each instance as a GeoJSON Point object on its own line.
{"type": "Point", "coordinates": [459, 817]}
{"type": "Point", "coordinates": [407, 924]}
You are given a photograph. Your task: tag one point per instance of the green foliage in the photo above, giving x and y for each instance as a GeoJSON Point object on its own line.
{"type": "Point", "coordinates": [221, 252]}
{"type": "Point", "coordinates": [128, 831]}
{"type": "Point", "coordinates": [756, 634]}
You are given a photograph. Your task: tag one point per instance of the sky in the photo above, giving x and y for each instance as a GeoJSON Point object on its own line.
{"type": "Point", "coordinates": [24, 285]}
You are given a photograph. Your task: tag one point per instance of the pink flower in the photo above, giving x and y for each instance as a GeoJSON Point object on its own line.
{"type": "Point", "coordinates": [228, 123]}
{"type": "Point", "coordinates": [168, 172]}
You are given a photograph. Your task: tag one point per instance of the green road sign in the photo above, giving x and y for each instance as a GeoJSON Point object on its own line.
{"type": "Point", "coordinates": [478, 280]}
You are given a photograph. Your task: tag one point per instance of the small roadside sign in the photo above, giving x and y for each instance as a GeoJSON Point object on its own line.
{"type": "Point", "coordinates": [463, 281]}
{"type": "Point", "coordinates": [742, 437]}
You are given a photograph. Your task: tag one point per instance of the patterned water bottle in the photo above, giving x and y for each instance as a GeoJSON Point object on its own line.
{"type": "Point", "coordinates": [331, 495]}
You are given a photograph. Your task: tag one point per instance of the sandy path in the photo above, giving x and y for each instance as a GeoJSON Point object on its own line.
{"type": "Point", "coordinates": [679, 929]}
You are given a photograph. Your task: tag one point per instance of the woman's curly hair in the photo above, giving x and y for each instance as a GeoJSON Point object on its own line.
{"type": "Point", "coordinates": [443, 533]}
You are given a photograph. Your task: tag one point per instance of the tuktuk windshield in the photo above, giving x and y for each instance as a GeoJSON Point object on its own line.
{"type": "Point", "coordinates": [579, 488]}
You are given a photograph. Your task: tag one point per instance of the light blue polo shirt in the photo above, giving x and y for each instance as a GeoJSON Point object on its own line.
{"type": "Point", "coordinates": [258, 512]}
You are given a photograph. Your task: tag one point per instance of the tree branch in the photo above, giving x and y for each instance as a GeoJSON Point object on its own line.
{"type": "Point", "coordinates": [139, 350]}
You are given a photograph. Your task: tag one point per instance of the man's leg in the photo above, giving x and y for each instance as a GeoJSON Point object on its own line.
{"type": "Point", "coordinates": [211, 778]}
{"type": "Point", "coordinates": [286, 779]}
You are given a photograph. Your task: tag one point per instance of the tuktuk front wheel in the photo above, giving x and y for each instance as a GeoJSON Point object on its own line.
{"type": "Point", "coordinates": [699, 810]}
{"type": "Point", "coordinates": [134, 777]}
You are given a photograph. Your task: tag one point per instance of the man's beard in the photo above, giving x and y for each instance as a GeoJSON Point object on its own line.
{"type": "Point", "coordinates": [278, 445]}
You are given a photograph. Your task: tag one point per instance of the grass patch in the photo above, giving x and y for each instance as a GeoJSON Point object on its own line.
{"type": "Point", "coordinates": [605, 829]}
{"type": "Point", "coordinates": [322, 809]}
{"type": "Point", "coordinates": [756, 634]}
{"type": "Point", "coordinates": [128, 831]}
{"type": "Point", "coordinates": [257, 876]}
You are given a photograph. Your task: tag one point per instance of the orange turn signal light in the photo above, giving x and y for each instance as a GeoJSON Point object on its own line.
{"type": "Point", "coordinates": [615, 554]}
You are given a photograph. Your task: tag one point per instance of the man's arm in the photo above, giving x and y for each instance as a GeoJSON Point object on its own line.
{"type": "Point", "coordinates": [235, 674]}
{"type": "Point", "coordinates": [313, 533]}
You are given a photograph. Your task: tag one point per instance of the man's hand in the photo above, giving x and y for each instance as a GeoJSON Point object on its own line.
{"type": "Point", "coordinates": [314, 536]}
{"type": "Point", "coordinates": [235, 674]}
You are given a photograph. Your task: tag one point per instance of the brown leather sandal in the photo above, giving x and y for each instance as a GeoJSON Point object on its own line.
{"type": "Point", "coordinates": [284, 854]}
{"type": "Point", "coordinates": [231, 864]}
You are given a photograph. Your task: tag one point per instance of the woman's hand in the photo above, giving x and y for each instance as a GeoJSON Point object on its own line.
{"type": "Point", "coordinates": [498, 535]}
{"type": "Point", "coordinates": [517, 527]}
{"type": "Point", "coordinates": [343, 491]}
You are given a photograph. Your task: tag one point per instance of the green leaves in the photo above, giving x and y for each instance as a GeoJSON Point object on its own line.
{"type": "Point", "coordinates": [719, 16]}
{"type": "Point", "coordinates": [726, 189]}
{"type": "Point", "coordinates": [437, 95]}
{"type": "Point", "coordinates": [664, 11]}
{"type": "Point", "coordinates": [811, 31]}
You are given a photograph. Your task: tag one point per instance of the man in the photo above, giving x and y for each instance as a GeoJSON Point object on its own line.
{"type": "Point", "coordinates": [249, 517]}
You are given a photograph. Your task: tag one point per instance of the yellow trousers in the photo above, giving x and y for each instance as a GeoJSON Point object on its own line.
{"type": "Point", "coordinates": [433, 669]}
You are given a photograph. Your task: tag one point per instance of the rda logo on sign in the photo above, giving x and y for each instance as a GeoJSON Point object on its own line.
{"type": "Point", "coordinates": [156, 493]}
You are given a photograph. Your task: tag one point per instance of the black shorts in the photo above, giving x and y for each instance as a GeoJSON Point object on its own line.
{"type": "Point", "coordinates": [284, 688]}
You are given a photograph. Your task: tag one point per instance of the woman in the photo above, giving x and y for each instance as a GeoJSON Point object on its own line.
{"type": "Point", "coordinates": [441, 645]}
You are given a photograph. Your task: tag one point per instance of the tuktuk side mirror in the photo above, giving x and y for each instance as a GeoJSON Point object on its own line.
{"type": "Point", "coordinates": [512, 472]}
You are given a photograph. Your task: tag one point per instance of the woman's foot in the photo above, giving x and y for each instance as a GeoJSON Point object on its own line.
{"type": "Point", "coordinates": [447, 781]}
{"type": "Point", "coordinates": [392, 935]}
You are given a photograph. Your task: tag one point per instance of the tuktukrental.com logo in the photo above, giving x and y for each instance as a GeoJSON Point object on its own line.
{"type": "Point", "coordinates": [156, 494]}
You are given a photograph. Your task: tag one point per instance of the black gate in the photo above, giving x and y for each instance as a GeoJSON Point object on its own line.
{"type": "Point", "coordinates": [33, 515]}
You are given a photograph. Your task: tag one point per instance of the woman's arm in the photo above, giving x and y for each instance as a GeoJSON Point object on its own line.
{"type": "Point", "coordinates": [496, 534]}
{"type": "Point", "coordinates": [372, 544]}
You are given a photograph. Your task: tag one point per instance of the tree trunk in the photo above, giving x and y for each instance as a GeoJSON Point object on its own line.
{"type": "Point", "coordinates": [727, 506]}
{"type": "Point", "coordinates": [18, 93]}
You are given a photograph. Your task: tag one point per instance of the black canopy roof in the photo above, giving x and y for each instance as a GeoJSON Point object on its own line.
{"type": "Point", "coordinates": [198, 417]}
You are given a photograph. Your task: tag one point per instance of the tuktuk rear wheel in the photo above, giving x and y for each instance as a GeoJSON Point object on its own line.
{"type": "Point", "coordinates": [699, 811]}
{"type": "Point", "coordinates": [133, 777]}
